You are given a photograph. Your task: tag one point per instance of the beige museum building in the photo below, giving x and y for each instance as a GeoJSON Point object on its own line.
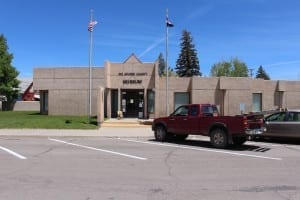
{"type": "Point", "coordinates": [136, 89]}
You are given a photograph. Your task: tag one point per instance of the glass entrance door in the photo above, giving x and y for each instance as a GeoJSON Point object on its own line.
{"type": "Point", "coordinates": [132, 103]}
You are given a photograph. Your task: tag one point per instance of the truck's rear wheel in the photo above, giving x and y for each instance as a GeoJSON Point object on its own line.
{"type": "Point", "coordinates": [218, 138]}
{"type": "Point", "coordinates": [160, 133]}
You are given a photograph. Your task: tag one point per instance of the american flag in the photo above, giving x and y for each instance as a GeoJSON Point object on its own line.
{"type": "Point", "coordinates": [91, 25]}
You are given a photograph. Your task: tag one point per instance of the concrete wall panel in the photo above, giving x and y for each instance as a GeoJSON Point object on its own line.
{"type": "Point", "coordinates": [71, 102]}
{"type": "Point", "coordinates": [292, 100]}
{"type": "Point", "coordinates": [235, 83]}
{"type": "Point", "coordinates": [200, 83]}
{"type": "Point", "coordinates": [27, 106]}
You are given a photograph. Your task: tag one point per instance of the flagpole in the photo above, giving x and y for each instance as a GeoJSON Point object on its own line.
{"type": "Point", "coordinates": [90, 69]}
{"type": "Point", "coordinates": [167, 66]}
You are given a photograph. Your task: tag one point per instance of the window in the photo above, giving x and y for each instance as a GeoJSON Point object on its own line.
{"type": "Point", "coordinates": [181, 111]}
{"type": "Point", "coordinates": [150, 101]}
{"type": "Point", "coordinates": [210, 110]}
{"type": "Point", "coordinates": [181, 98]}
{"type": "Point", "coordinates": [194, 110]}
{"type": "Point", "coordinates": [44, 102]}
{"type": "Point", "coordinates": [114, 103]}
{"type": "Point", "coordinates": [294, 116]}
{"type": "Point", "coordinates": [276, 117]}
{"type": "Point", "coordinates": [256, 102]}
{"type": "Point", "coordinates": [207, 109]}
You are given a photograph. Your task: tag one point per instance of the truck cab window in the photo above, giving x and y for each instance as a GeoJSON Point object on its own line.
{"type": "Point", "coordinates": [194, 110]}
{"type": "Point", "coordinates": [181, 111]}
{"type": "Point", "coordinates": [207, 110]}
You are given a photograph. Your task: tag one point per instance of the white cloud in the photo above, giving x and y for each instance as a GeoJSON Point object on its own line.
{"type": "Point", "coordinates": [283, 63]}
{"type": "Point", "coordinates": [152, 46]}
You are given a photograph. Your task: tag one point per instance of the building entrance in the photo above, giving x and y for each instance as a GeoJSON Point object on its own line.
{"type": "Point", "coordinates": [132, 103]}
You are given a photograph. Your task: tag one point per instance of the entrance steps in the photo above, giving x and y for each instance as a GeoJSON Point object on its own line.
{"type": "Point", "coordinates": [127, 123]}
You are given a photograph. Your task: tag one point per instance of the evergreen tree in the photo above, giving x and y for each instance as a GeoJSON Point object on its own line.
{"type": "Point", "coordinates": [161, 65]}
{"type": "Point", "coordinates": [187, 64]}
{"type": "Point", "coordinates": [261, 73]}
{"type": "Point", "coordinates": [8, 75]}
{"type": "Point", "coordinates": [171, 72]}
{"type": "Point", "coordinates": [232, 68]}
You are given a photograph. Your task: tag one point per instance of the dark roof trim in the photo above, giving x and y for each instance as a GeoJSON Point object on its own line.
{"type": "Point", "coordinates": [133, 57]}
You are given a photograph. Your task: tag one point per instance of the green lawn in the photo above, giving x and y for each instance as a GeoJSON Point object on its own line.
{"type": "Point", "coordinates": [35, 120]}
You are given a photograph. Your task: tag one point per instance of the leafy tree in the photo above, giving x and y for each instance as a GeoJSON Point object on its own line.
{"type": "Point", "coordinates": [240, 68]}
{"type": "Point", "coordinates": [187, 64]}
{"type": "Point", "coordinates": [9, 83]}
{"type": "Point", "coordinates": [261, 73]}
{"type": "Point", "coordinates": [161, 65]}
{"type": "Point", "coordinates": [232, 68]}
{"type": "Point", "coordinates": [221, 69]}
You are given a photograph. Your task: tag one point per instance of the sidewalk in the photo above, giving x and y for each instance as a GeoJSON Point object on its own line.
{"type": "Point", "coordinates": [127, 123]}
{"type": "Point", "coordinates": [101, 132]}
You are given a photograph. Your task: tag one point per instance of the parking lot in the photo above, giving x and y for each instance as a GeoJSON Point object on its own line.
{"type": "Point", "coordinates": [141, 168]}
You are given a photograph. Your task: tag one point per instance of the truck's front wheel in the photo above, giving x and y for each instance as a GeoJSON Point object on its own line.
{"type": "Point", "coordinates": [218, 138]}
{"type": "Point", "coordinates": [160, 133]}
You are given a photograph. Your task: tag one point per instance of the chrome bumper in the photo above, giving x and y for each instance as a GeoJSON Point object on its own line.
{"type": "Point", "coordinates": [255, 131]}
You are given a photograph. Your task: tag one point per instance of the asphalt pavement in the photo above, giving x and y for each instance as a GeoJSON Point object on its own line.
{"type": "Point", "coordinates": [134, 168]}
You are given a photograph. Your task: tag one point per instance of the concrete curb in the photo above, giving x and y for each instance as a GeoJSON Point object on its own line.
{"type": "Point", "coordinates": [101, 132]}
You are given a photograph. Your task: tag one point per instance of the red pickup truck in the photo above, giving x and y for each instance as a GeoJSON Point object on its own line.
{"type": "Point", "coordinates": [204, 119]}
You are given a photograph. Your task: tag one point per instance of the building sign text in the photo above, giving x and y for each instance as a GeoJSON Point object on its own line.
{"type": "Point", "coordinates": [132, 74]}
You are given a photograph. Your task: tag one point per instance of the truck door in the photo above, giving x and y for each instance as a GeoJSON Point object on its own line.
{"type": "Point", "coordinates": [178, 122]}
{"type": "Point", "coordinates": [193, 121]}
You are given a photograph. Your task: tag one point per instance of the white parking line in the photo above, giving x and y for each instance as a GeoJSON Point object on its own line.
{"type": "Point", "coordinates": [201, 149]}
{"type": "Point", "coordinates": [274, 145]}
{"type": "Point", "coordinates": [96, 149]}
{"type": "Point", "coordinates": [265, 144]}
{"type": "Point", "coordinates": [13, 153]}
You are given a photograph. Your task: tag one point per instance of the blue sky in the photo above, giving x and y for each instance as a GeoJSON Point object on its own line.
{"type": "Point", "coordinates": [53, 33]}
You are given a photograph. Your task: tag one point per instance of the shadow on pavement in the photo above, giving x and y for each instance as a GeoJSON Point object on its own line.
{"type": "Point", "coordinates": [206, 144]}
{"type": "Point", "coordinates": [278, 140]}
